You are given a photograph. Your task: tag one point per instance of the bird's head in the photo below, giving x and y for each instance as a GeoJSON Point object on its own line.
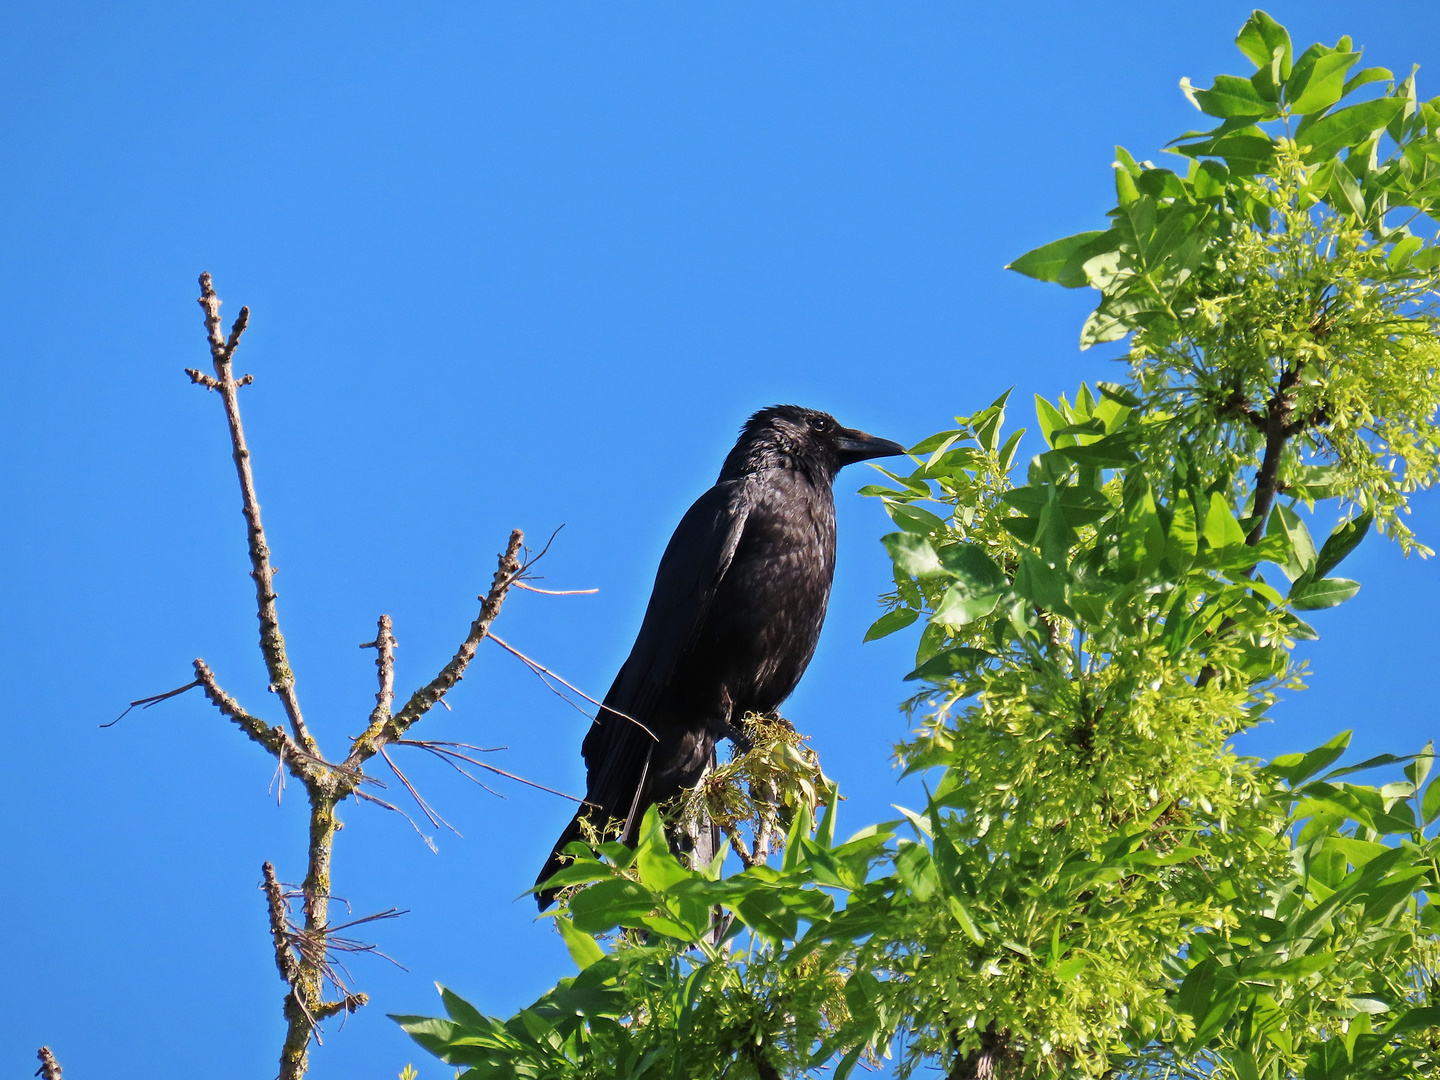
{"type": "Point", "coordinates": [788, 436]}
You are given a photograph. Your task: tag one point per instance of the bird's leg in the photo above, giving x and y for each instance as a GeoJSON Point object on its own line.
{"type": "Point", "coordinates": [729, 730]}
{"type": "Point", "coordinates": [739, 738]}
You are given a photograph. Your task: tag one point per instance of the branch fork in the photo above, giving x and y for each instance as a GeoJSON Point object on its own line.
{"type": "Point", "coordinates": [304, 952]}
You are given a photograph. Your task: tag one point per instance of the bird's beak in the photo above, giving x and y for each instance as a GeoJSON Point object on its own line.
{"type": "Point", "coordinates": [857, 446]}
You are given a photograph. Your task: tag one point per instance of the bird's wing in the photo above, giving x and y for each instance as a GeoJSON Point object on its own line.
{"type": "Point", "coordinates": [695, 561]}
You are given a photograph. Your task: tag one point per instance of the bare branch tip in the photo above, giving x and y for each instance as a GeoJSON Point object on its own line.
{"type": "Point", "coordinates": [49, 1067]}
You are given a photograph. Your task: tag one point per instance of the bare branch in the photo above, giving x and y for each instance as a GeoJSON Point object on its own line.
{"type": "Point", "coordinates": [306, 767]}
{"type": "Point", "coordinates": [382, 730]}
{"type": "Point", "coordinates": [49, 1067]}
{"type": "Point", "coordinates": [285, 961]}
{"type": "Point", "coordinates": [272, 642]}
{"type": "Point", "coordinates": [385, 646]}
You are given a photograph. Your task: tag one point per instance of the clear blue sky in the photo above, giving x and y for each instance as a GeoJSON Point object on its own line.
{"type": "Point", "coordinates": [510, 264]}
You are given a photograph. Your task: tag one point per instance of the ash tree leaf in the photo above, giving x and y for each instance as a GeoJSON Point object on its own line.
{"type": "Point", "coordinates": [583, 948]}
{"type": "Point", "coordinates": [1260, 37]}
{"type": "Point", "coordinates": [1325, 593]}
{"type": "Point", "coordinates": [609, 904]}
{"type": "Point", "coordinates": [912, 555]}
{"type": "Point", "coordinates": [1346, 127]}
{"type": "Point", "coordinates": [1366, 76]}
{"type": "Point", "coordinates": [914, 519]}
{"type": "Point", "coordinates": [1042, 584]}
{"type": "Point", "coordinates": [1295, 769]}
{"type": "Point", "coordinates": [973, 567]}
{"type": "Point", "coordinates": [1430, 802]}
{"type": "Point", "coordinates": [1047, 262]}
{"type": "Point", "coordinates": [1221, 529]}
{"type": "Point", "coordinates": [1286, 526]}
{"type": "Point", "coordinates": [1427, 1016]}
{"type": "Point", "coordinates": [1319, 83]}
{"type": "Point", "coordinates": [1345, 539]}
{"type": "Point", "coordinates": [916, 869]}
{"type": "Point", "coordinates": [890, 622]}
{"type": "Point", "coordinates": [1233, 96]}
{"type": "Point", "coordinates": [960, 606]}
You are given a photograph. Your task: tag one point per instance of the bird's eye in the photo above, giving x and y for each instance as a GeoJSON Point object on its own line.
{"type": "Point", "coordinates": [822, 424]}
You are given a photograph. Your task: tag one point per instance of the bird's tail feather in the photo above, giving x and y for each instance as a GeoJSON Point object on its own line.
{"type": "Point", "coordinates": [556, 861]}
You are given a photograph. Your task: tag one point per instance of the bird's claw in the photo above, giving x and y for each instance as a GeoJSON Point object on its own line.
{"type": "Point", "coordinates": [739, 738]}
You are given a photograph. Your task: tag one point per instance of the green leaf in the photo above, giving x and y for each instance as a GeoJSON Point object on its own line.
{"type": "Point", "coordinates": [934, 442]}
{"type": "Point", "coordinates": [1050, 418]}
{"type": "Point", "coordinates": [1046, 262]}
{"type": "Point", "coordinates": [1427, 1016]}
{"type": "Point", "coordinates": [764, 911]}
{"type": "Point", "coordinates": [1430, 802]}
{"type": "Point", "coordinates": [960, 606]}
{"type": "Point", "coordinates": [1345, 539]}
{"type": "Point", "coordinates": [1347, 127]}
{"type": "Point", "coordinates": [1221, 528]}
{"type": "Point", "coordinates": [1297, 768]}
{"type": "Point", "coordinates": [916, 869]}
{"type": "Point", "coordinates": [609, 904]}
{"type": "Point", "coordinates": [1042, 584]}
{"type": "Point", "coordinates": [971, 565]}
{"type": "Point", "coordinates": [1402, 252]}
{"type": "Point", "coordinates": [1118, 393]}
{"type": "Point", "coordinates": [961, 661]}
{"type": "Point", "coordinates": [1319, 83]}
{"type": "Point", "coordinates": [1367, 75]}
{"type": "Point", "coordinates": [583, 948]}
{"type": "Point", "coordinates": [1111, 452]}
{"type": "Point", "coordinates": [1369, 763]}
{"type": "Point", "coordinates": [890, 622]}
{"type": "Point", "coordinates": [1260, 37]}
{"type": "Point", "coordinates": [1327, 592]}
{"type": "Point", "coordinates": [914, 519]}
{"type": "Point", "coordinates": [1232, 96]}
{"type": "Point", "coordinates": [1286, 526]}
{"type": "Point", "coordinates": [913, 555]}
{"type": "Point", "coordinates": [580, 872]}
{"type": "Point", "coordinates": [962, 916]}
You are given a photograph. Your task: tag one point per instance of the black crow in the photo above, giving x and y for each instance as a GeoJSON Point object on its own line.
{"type": "Point", "coordinates": [733, 619]}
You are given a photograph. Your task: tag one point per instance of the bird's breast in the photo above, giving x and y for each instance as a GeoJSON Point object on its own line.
{"type": "Point", "coordinates": [771, 603]}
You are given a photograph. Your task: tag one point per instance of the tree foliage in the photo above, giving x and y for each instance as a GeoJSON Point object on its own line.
{"type": "Point", "coordinates": [1098, 883]}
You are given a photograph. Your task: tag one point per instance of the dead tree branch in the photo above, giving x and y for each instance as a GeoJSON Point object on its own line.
{"type": "Point", "coordinates": [305, 953]}
{"type": "Point", "coordinates": [272, 642]}
{"type": "Point", "coordinates": [385, 728]}
{"type": "Point", "coordinates": [49, 1067]}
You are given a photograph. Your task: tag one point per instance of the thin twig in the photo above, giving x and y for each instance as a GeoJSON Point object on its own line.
{"type": "Point", "coordinates": [425, 808]}
{"type": "Point", "coordinates": [367, 797]}
{"type": "Point", "coordinates": [272, 642]}
{"type": "Point", "coordinates": [381, 731]}
{"type": "Point", "coordinates": [541, 669]}
{"type": "Point", "coordinates": [384, 646]}
{"type": "Point", "coordinates": [437, 748]}
{"type": "Point", "coordinates": [155, 699]}
{"type": "Point", "coordinates": [556, 592]}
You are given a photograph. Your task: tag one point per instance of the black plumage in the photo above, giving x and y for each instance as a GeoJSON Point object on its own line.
{"type": "Point", "coordinates": [733, 619]}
